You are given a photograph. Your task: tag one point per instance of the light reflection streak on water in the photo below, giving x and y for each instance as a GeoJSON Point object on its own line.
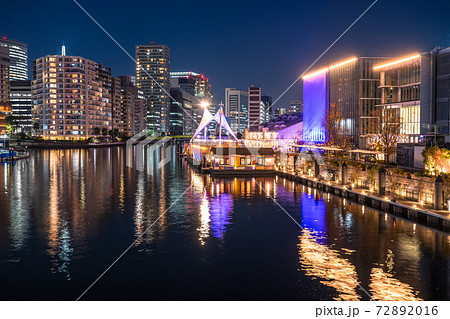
{"type": "Point", "coordinates": [384, 287]}
{"type": "Point", "coordinates": [220, 210]}
{"type": "Point", "coordinates": [318, 260]}
{"type": "Point", "coordinates": [5, 174]}
{"type": "Point", "coordinates": [59, 237]}
{"type": "Point", "coordinates": [321, 262]}
{"type": "Point", "coordinates": [139, 216]}
{"type": "Point", "coordinates": [121, 186]}
{"type": "Point", "coordinates": [204, 219]}
{"type": "Point", "coordinates": [20, 215]}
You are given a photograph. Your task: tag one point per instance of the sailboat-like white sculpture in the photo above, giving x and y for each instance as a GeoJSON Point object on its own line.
{"type": "Point", "coordinates": [208, 118]}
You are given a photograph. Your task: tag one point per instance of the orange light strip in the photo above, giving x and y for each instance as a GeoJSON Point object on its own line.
{"type": "Point", "coordinates": [314, 73]}
{"type": "Point", "coordinates": [342, 63]}
{"type": "Point", "coordinates": [396, 62]}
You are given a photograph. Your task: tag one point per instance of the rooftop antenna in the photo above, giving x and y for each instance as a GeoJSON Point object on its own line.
{"type": "Point", "coordinates": [63, 49]}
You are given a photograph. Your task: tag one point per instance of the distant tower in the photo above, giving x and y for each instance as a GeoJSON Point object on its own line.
{"type": "Point", "coordinates": [153, 78]}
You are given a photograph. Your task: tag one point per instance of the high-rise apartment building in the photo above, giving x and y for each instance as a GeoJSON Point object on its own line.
{"type": "Point", "coordinates": [5, 105]}
{"type": "Point", "coordinates": [71, 97]}
{"type": "Point", "coordinates": [18, 55]}
{"type": "Point", "coordinates": [22, 110]}
{"type": "Point", "coordinates": [256, 112]}
{"type": "Point", "coordinates": [153, 78]}
{"type": "Point", "coordinates": [236, 109]}
{"type": "Point", "coordinates": [129, 112]}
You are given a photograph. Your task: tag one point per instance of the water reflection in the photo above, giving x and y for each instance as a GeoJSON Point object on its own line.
{"type": "Point", "coordinates": [71, 209]}
{"type": "Point", "coordinates": [325, 264]}
{"type": "Point", "coordinates": [204, 219]}
{"type": "Point", "coordinates": [220, 214]}
{"type": "Point", "coordinates": [319, 260]}
{"type": "Point", "coordinates": [384, 287]}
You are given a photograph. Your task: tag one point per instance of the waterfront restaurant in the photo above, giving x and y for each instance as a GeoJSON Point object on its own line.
{"type": "Point", "coordinates": [241, 158]}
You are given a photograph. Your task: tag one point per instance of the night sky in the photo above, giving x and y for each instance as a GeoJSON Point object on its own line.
{"type": "Point", "coordinates": [234, 43]}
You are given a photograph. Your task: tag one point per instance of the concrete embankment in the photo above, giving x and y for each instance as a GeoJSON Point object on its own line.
{"type": "Point", "coordinates": [414, 214]}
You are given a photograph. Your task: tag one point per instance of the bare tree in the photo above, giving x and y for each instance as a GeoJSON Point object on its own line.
{"type": "Point", "coordinates": [387, 131]}
{"type": "Point", "coordinates": [337, 135]}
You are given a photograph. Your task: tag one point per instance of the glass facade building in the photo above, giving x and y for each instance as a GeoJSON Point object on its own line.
{"type": "Point", "coordinates": [353, 87]}
{"type": "Point", "coordinates": [236, 109]}
{"type": "Point", "coordinates": [18, 55]}
{"type": "Point", "coordinates": [20, 95]}
{"type": "Point", "coordinates": [401, 86]}
{"type": "Point", "coordinates": [442, 87]}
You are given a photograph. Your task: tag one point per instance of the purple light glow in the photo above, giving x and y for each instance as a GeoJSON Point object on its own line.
{"type": "Point", "coordinates": [315, 102]}
{"type": "Point", "coordinates": [220, 210]}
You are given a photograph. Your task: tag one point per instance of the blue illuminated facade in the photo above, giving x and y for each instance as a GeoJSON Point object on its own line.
{"type": "Point", "coordinates": [315, 103]}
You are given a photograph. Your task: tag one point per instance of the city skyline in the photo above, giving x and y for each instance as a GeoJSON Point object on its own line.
{"type": "Point", "coordinates": [226, 151]}
{"type": "Point", "coordinates": [256, 55]}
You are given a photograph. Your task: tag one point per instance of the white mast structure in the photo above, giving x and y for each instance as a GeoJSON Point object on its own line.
{"type": "Point", "coordinates": [219, 118]}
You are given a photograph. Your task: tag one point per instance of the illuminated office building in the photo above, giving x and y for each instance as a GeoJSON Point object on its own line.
{"type": "Point", "coordinates": [279, 111]}
{"type": "Point", "coordinates": [353, 87]}
{"type": "Point", "coordinates": [20, 96]}
{"type": "Point", "coordinates": [71, 97]}
{"type": "Point", "coordinates": [400, 93]}
{"type": "Point", "coordinates": [296, 106]}
{"type": "Point", "coordinates": [18, 55]}
{"type": "Point", "coordinates": [185, 112]}
{"type": "Point", "coordinates": [441, 116]}
{"type": "Point", "coordinates": [417, 88]}
{"type": "Point", "coordinates": [267, 101]}
{"type": "Point", "coordinates": [153, 78]}
{"type": "Point", "coordinates": [256, 112]}
{"type": "Point", "coordinates": [236, 109]}
{"type": "Point", "coordinates": [195, 84]}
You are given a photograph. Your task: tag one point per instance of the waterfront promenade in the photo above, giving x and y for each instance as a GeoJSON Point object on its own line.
{"type": "Point", "coordinates": [413, 211]}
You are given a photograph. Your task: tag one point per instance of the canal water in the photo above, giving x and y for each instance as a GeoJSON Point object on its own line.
{"type": "Point", "coordinates": [66, 215]}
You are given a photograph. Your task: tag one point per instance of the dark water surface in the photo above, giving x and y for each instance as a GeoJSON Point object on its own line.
{"type": "Point", "coordinates": [66, 215]}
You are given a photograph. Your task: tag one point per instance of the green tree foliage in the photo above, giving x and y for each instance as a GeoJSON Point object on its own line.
{"type": "Point", "coordinates": [11, 125]}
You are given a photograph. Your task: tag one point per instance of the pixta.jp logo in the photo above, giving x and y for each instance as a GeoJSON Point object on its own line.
{"type": "Point", "coordinates": [148, 154]}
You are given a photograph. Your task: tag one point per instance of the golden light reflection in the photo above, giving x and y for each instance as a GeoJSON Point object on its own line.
{"type": "Point", "coordinates": [204, 219]}
{"type": "Point", "coordinates": [321, 262]}
{"type": "Point", "coordinates": [59, 236]}
{"type": "Point", "coordinates": [384, 287]}
{"type": "Point", "coordinates": [122, 191]}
